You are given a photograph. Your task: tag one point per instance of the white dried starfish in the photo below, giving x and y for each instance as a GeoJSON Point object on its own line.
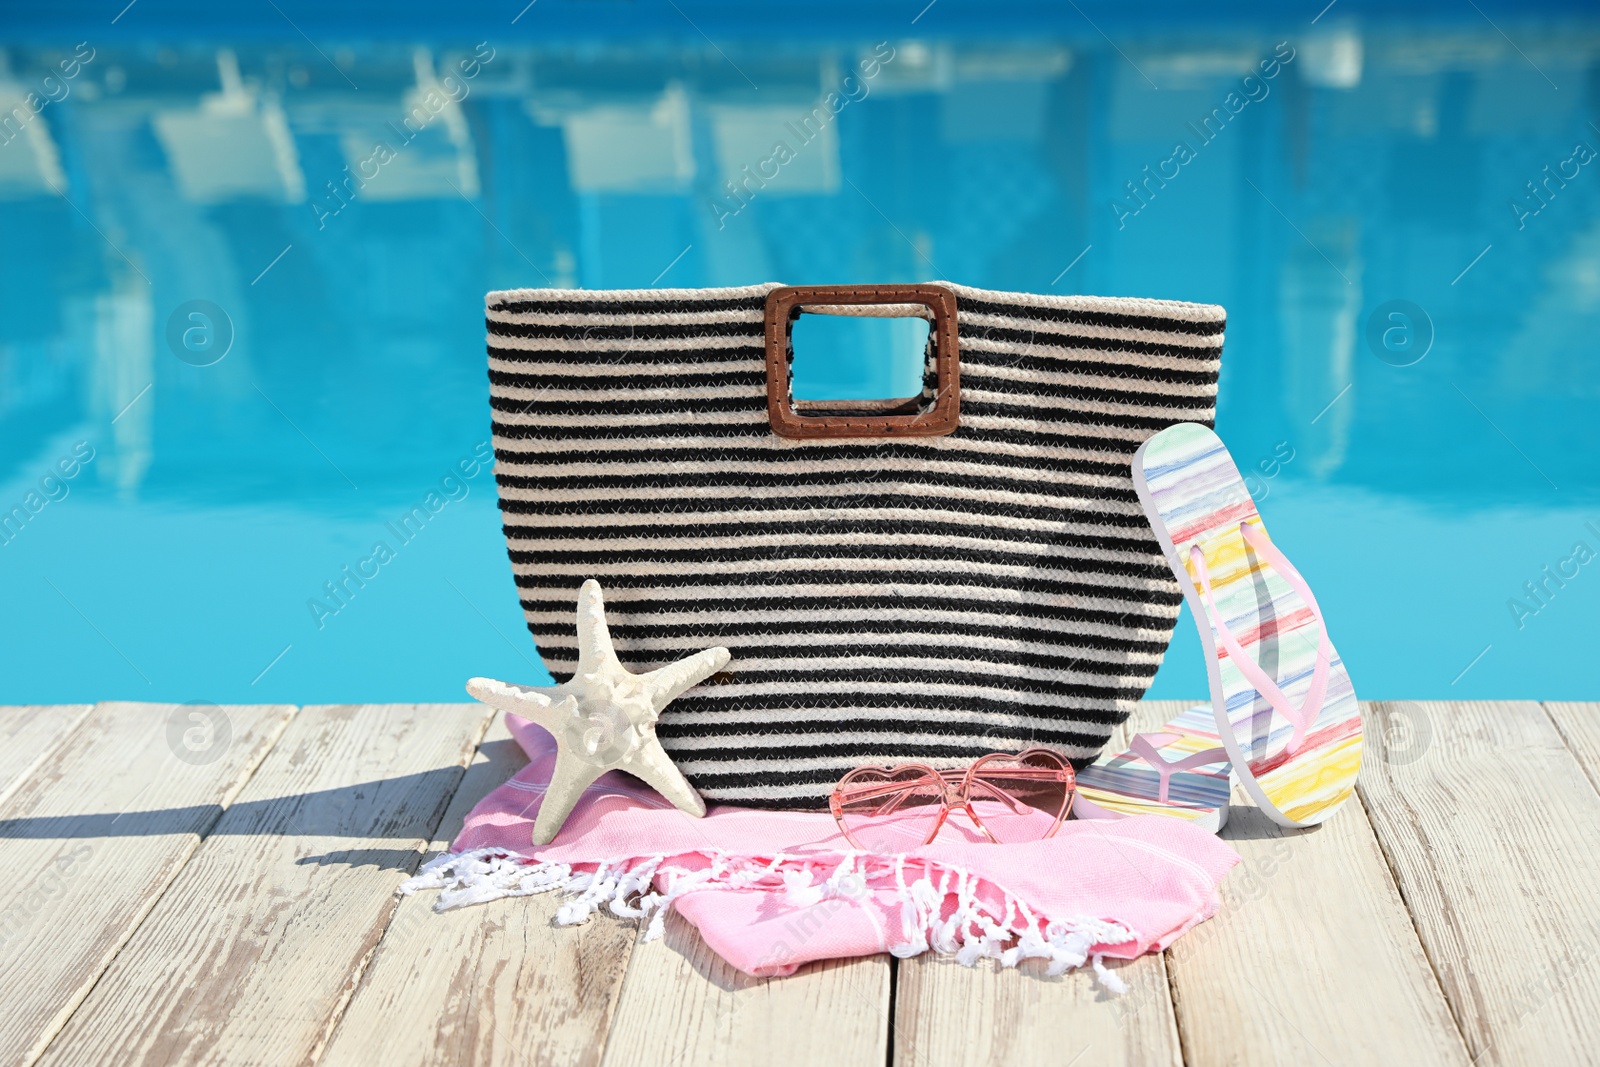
{"type": "Point", "coordinates": [604, 718]}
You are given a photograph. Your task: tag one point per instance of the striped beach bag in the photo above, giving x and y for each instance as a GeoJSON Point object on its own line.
{"type": "Point", "coordinates": [930, 579]}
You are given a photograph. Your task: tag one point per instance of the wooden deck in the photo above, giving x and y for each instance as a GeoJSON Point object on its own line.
{"type": "Point", "coordinates": [188, 894]}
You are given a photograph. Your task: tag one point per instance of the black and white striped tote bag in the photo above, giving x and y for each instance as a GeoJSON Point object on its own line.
{"type": "Point", "coordinates": [934, 579]}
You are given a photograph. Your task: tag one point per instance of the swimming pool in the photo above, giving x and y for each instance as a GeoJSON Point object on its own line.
{"type": "Point", "coordinates": [243, 342]}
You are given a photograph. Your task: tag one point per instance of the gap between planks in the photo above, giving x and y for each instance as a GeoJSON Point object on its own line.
{"type": "Point", "coordinates": [29, 735]}
{"type": "Point", "coordinates": [1312, 957]}
{"type": "Point", "coordinates": [497, 982]}
{"type": "Point", "coordinates": [1486, 811]}
{"type": "Point", "coordinates": [107, 879]}
{"type": "Point", "coordinates": [256, 942]}
{"type": "Point", "coordinates": [471, 985]}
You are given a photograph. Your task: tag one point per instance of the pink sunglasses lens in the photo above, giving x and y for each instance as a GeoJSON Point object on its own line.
{"type": "Point", "coordinates": [890, 811]}
{"type": "Point", "coordinates": [1021, 798]}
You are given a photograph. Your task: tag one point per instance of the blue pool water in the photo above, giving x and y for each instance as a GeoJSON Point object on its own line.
{"type": "Point", "coordinates": [227, 372]}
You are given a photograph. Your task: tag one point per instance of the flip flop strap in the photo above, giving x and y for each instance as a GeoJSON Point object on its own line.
{"type": "Point", "coordinates": [1257, 539]}
{"type": "Point", "coordinates": [1300, 718]}
{"type": "Point", "coordinates": [1142, 747]}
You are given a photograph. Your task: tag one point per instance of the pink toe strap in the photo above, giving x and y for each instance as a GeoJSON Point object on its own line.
{"type": "Point", "coordinates": [1306, 714]}
{"type": "Point", "coordinates": [1142, 747]}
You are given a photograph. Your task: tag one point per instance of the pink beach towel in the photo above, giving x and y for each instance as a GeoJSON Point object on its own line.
{"type": "Point", "coordinates": [771, 890]}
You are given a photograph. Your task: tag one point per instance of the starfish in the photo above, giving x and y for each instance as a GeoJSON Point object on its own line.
{"type": "Point", "coordinates": [604, 718]}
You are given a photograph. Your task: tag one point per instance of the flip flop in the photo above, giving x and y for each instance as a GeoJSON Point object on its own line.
{"type": "Point", "coordinates": [1180, 770]}
{"type": "Point", "coordinates": [1284, 705]}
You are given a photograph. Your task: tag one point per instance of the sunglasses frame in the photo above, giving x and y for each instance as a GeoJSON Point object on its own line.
{"type": "Point", "coordinates": [955, 790]}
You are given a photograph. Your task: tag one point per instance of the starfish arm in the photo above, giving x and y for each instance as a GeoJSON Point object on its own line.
{"type": "Point", "coordinates": [541, 704]}
{"type": "Point", "coordinates": [668, 683]}
{"type": "Point", "coordinates": [652, 764]}
{"type": "Point", "coordinates": [595, 652]}
{"type": "Point", "coordinates": [567, 783]}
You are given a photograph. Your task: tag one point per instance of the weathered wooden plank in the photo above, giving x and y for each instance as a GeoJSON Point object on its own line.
{"type": "Point", "coordinates": [682, 1004]}
{"type": "Point", "coordinates": [28, 734]}
{"type": "Point", "coordinates": [253, 950]}
{"type": "Point", "coordinates": [947, 1013]}
{"type": "Point", "coordinates": [1306, 958]}
{"type": "Point", "coordinates": [1579, 724]}
{"type": "Point", "coordinates": [1313, 957]}
{"type": "Point", "coordinates": [491, 984]}
{"type": "Point", "coordinates": [1490, 825]}
{"type": "Point", "coordinates": [95, 833]}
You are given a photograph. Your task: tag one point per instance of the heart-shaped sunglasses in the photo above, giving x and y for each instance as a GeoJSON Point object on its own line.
{"type": "Point", "coordinates": [1009, 798]}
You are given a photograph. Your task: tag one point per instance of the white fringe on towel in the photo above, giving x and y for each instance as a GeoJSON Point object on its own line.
{"type": "Point", "coordinates": [972, 933]}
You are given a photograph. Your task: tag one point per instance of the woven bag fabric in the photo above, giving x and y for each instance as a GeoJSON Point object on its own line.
{"type": "Point", "coordinates": [885, 599]}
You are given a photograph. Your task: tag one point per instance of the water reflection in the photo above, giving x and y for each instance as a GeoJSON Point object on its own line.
{"type": "Point", "coordinates": [347, 234]}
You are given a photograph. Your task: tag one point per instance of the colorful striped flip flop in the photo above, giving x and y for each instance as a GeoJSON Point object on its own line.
{"type": "Point", "coordinates": [1284, 705]}
{"type": "Point", "coordinates": [1181, 770]}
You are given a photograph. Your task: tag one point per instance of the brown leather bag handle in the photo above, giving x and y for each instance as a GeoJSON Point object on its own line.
{"type": "Point", "coordinates": [783, 307]}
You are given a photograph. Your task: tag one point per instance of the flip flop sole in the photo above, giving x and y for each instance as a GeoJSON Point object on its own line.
{"type": "Point", "coordinates": [1101, 804]}
{"type": "Point", "coordinates": [1193, 495]}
